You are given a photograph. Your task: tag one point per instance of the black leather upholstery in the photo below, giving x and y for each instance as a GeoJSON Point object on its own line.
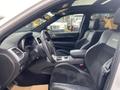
{"type": "Point", "coordinates": [68, 77]}
{"type": "Point", "coordinates": [90, 38]}
{"type": "Point", "coordinates": [100, 53]}
{"type": "Point", "coordinates": [84, 40]}
{"type": "Point", "coordinates": [95, 58]}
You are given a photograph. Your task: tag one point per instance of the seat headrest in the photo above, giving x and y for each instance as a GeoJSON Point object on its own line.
{"type": "Point", "coordinates": [117, 17]}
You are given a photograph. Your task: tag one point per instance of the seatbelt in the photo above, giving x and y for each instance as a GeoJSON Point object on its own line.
{"type": "Point", "coordinates": [105, 70]}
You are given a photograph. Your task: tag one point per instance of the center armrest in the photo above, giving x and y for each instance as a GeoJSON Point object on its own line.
{"type": "Point", "coordinates": [78, 53]}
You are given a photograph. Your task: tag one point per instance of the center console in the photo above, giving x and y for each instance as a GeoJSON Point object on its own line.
{"type": "Point", "coordinates": [75, 57]}
{"type": "Point", "coordinates": [68, 59]}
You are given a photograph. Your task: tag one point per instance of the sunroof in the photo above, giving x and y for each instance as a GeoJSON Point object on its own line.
{"type": "Point", "coordinates": [83, 2]}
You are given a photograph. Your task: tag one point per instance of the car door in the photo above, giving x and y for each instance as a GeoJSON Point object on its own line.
{"type": "Point", "coordinates": [65, 31]}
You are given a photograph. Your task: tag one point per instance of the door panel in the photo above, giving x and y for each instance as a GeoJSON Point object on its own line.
{"type": "Point", "coordinates": [65, 41]}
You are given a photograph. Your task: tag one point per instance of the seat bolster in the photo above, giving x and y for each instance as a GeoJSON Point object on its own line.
{"type": "Point", "coordinates": [63, 86]}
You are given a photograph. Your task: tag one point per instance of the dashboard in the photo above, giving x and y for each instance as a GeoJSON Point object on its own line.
{"type": "Point", "coordinates": [17, 52]}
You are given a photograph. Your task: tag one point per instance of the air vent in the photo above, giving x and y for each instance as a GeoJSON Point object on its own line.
{"type": "Point", "coordinates": [17, 52]}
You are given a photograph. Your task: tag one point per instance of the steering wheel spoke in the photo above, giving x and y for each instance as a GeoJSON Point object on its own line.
{"type": "Point", "coordinates": [48, 45]}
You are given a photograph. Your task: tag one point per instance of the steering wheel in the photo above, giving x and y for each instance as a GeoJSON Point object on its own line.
{"type": "Point", "coordinates": [48, 45]}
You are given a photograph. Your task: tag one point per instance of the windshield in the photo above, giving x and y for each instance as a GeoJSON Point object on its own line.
{"type": "Point", "coordinates": [31, 26]}
{"type": "Point", "coordinates": [11, 8]}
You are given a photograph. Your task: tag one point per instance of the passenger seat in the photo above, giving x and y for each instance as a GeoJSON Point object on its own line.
{"type": "Point", "coordinates": [90, 38]}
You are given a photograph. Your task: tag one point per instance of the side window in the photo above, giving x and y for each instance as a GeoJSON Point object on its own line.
{"type": "Point", "coordinates": [103, 21]}
{"type": "Point", "coordinates": [69, 23]}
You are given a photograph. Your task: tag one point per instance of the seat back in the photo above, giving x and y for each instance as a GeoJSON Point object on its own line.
{"type": "Point", "coordinates": [90, 38]}
{"type": "Point", "coordinates": [103, 51]}
{"type": "Point", "coordinates": [82, 41]}
{"type": "Point", "coordinates": [100, 53]}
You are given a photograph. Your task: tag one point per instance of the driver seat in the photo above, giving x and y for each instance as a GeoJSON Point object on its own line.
{"type": "Point", "coordinates": [68, 77]}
